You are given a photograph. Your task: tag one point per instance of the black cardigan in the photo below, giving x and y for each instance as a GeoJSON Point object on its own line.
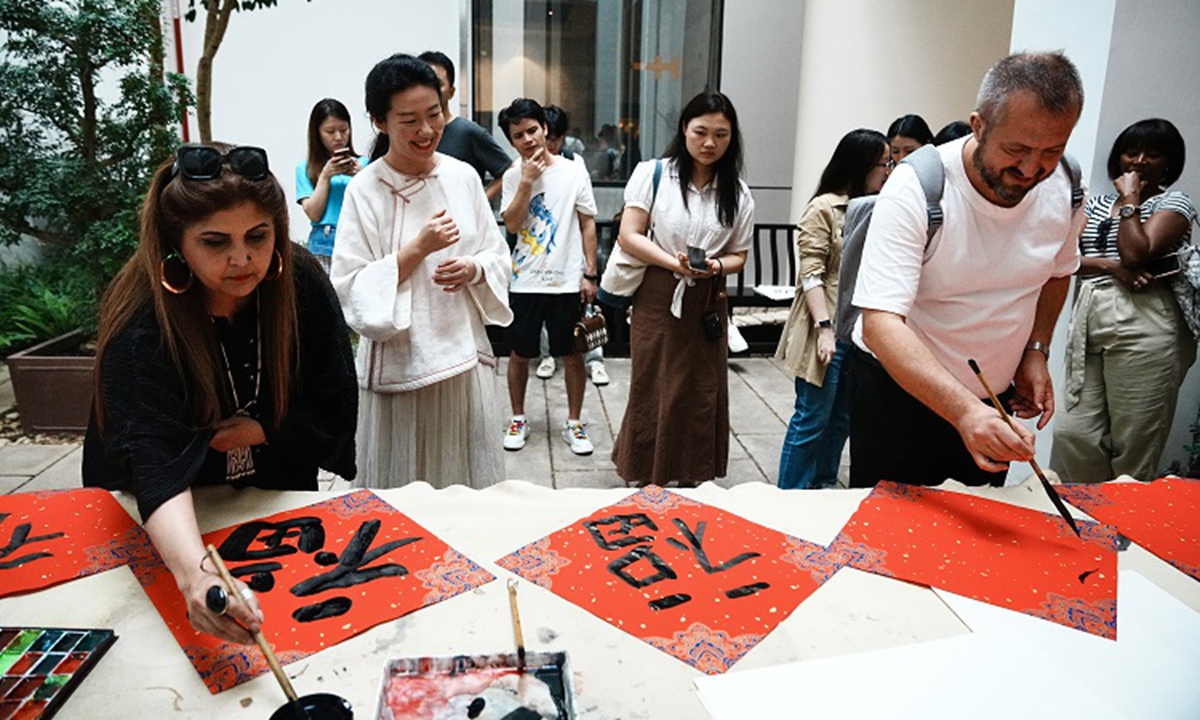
{"type": "Point", "coordinates": [150, 447]}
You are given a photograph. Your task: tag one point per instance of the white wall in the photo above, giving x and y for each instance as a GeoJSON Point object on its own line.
{"type": "Point", "coordinates": [760, 72]}
{"type": "Point", "coordinates": [864, 63]}
{"type": "Point", "coordinates": [270, 70]}
{"type": "Point", "coordinates": [1082, 29]}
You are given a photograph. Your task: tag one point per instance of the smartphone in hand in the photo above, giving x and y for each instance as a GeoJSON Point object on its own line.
{"type": "Point", "coordinates": [1164, 266]}
{"type": "Point", "coordinates": [697, 260]}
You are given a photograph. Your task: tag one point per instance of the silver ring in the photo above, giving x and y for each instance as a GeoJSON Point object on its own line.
{"type": "Point", "coordinates": [247, 594]}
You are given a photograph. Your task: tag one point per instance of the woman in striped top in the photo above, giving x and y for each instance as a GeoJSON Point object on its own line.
{"type": "Point", "coordinates": [1129, 347]}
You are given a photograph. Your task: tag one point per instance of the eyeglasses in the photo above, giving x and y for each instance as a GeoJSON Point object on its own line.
{"type": "Point", "coordinates": [203, 162]}
{"type": "Point", "coordinates": [890, 164]}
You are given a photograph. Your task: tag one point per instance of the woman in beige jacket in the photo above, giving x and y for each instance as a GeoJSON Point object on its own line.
{"type": "Point", "coordinates": [817, 432]}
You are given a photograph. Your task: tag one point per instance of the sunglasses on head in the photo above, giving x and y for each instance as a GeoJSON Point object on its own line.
{"type": "Point", "coordinates": [203, 162]}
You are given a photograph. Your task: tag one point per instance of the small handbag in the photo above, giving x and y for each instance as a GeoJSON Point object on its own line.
{"type": "Point", "coordinates": [590, 330]}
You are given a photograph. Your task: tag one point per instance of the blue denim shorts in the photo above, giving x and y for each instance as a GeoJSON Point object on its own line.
{"type": "Point", "coordinates": [320, 239]}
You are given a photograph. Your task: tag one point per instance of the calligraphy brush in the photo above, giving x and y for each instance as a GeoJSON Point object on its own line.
{"type": "Point", "coordinates": [516, 622]}
{"type": "Point", "coordinates": [263, 645]}
{"type": "Point", "coordinates": [1033, 463]}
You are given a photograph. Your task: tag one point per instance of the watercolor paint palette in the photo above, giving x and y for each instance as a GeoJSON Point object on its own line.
{"type": "Point", "coordinates": [481, 687]}
{"type": "Point", "coordinates": [41, 667]}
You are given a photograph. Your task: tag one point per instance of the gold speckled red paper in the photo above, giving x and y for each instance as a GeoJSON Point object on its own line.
{"type": "Point", "coordinates": [53, 536]}
{"type": "Point", "coordinates": [1162, 516]}
{"type": "Point", "coordinates": [695, 581]}
{"type": "Point", "coordinates": [323, 573]}
{"type": "Point", "coordinates": [1001, 554]}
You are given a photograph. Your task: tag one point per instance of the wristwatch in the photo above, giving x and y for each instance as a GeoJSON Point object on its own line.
{"type": "Point", "coordinates": [593, 278]}
{"type": "Point", "coordinates": [826, 323]}
{"type": "Point", "coordinates": [1127, 211]}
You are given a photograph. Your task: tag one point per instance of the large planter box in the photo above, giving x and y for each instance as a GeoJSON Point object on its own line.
{"type": "Point", "coordinates": [53, 385]}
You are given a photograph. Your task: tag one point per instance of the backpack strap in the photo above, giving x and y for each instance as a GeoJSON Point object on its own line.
{"type": "Point", "coordinates": [932, 175]}
{"type": "Point", "coordinates": [1071, 165]}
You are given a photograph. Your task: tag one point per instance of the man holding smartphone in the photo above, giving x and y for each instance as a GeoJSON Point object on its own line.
{"type": "Point", "coordinates": [547, 203]}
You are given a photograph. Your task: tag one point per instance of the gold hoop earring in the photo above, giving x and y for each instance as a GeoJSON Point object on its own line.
{"type": "Point", "coordinates": [170, 274]}
{"type": "Point", "coordinates": [275, 269]}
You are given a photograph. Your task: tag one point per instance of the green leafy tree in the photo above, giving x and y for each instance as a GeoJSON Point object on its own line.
{"type": "Point", "coordinates": [86, 114]}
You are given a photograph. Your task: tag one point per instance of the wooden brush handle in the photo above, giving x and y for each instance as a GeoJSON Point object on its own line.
{"type": "Point", "coordinates": [263, 645]}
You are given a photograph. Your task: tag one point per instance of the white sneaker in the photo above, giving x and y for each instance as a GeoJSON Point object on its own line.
{"type": "Point", "coordinates": [575, 435]}
{"type": "Point", "coordinates": [545, 369]}
{"type": "Point", "coordinates": [518, 431]}
{"type": "Point", "coordinates": [599, 374]}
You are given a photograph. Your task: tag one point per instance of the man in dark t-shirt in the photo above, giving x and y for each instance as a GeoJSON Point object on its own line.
{"type": "Point", "coordinates": [464, 139]}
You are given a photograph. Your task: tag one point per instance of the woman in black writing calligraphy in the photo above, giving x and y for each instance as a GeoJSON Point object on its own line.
{"type": "Point", "coordinates": [222, 359]}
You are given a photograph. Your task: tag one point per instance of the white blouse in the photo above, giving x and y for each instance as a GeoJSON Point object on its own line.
{"type": "Point", "coordinates": [414, 333]}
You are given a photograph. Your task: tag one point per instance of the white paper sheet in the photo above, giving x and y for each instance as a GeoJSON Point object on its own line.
{"type": "Point", "coordinates": [1151, 671]}
{"type": "Point", "coordinates": [777, 293]}
{"type": "Point", "coordinates": [982, 677]}
{"type": "Point", "coordinates": [1012, 665]}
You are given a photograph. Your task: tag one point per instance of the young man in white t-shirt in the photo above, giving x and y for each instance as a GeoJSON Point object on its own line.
{"type": "Point", "coordinates": [547, 202]}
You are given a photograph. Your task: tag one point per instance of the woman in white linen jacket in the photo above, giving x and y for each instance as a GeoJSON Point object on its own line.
{"type": "Point", "coordinates": [420, 267]}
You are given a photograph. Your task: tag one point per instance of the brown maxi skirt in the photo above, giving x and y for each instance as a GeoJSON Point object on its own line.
{"type": "Point", "coordinates": [676, 424]}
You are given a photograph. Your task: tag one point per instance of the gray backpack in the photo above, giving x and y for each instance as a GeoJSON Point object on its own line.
{"type": "Point", "coordinates": [927, 162]}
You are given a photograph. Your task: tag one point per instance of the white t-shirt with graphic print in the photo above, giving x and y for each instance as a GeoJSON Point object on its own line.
{"type": "Point", "coordinates": [548, 257]}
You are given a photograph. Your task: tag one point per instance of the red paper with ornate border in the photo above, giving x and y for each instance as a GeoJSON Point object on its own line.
{"type": "Point", "coordinates": [52, 536]}
{"type": "Point", "coordinates": [1162, 516]}
{"type": "Point", "coordinates": [433, 572]}
{"type": "Point", "coordinates": [990, 551]}
{"type": "Point", "coordinates": [710, 630]}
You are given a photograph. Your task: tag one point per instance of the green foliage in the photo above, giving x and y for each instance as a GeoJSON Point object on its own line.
{"type": "Point", "coordinates": [39, 302]}
{"type": "Point", "coordinates": [85, 118]}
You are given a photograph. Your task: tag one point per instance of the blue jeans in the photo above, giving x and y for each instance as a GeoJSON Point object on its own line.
{"type": "Point", "coordinates": [812, 448]}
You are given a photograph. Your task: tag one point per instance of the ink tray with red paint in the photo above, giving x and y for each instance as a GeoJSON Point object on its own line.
{"type": "Point", "coordinates": [41, 667]}
{"type": "Point", "coordinates": [478, 687]}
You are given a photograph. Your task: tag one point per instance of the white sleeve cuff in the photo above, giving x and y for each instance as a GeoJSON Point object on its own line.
{"type": "Point", "coordinates": [810, 282]}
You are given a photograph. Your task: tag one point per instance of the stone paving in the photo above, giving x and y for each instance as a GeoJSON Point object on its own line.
{"type": "Point", "coordinates": [761, 394]}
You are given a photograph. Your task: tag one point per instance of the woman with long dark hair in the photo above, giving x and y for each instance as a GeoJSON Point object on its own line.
{"type": "Point", "coordinates": [816, 434]}
{"type": "Point", "coordinates": [692, 226]}
{"type": "Point", "coordinates": [906, 134]}
{"type": "Point", "coordinates": [322, 177]}
{"type": "Point", "coordinates": [222, 359]}
{"type": "Point", "coordinates": [421, 268]}
{"type": "Point", "coordinates": [1129, 346]}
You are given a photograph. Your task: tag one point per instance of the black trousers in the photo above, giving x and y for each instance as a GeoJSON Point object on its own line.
{"type": "Point", "coordinates": [893, 436]}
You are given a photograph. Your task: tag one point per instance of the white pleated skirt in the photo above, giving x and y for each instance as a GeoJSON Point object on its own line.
{"type": "Point", "coordinates": [448, 433]}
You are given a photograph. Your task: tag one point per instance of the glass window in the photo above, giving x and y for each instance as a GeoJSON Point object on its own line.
{"type": "Point", "coordinates": [621, 69]}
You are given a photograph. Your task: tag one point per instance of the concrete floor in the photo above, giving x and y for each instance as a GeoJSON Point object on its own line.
{"type": "Point", "coordinates": [761, 394]}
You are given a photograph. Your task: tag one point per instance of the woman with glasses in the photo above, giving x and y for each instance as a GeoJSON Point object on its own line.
{"type": "Point", "coordinates": [689, 217]}
{"type": "Point", "coordinates": [808, 347]}
{"type": "Point", "coordinates": [222, 359]}
{"type": "Point", "coordinates": [321, 179]}
{"type": "Point", "coordinates": [1129, 346]}
{"type": "Point", "coordinates": [420, 267]}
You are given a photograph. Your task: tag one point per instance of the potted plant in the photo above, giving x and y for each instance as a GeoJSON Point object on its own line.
{"type": "Point", "coordinates": [43, 311]}
{"type": "Point", "coordinates": [86, 115]}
